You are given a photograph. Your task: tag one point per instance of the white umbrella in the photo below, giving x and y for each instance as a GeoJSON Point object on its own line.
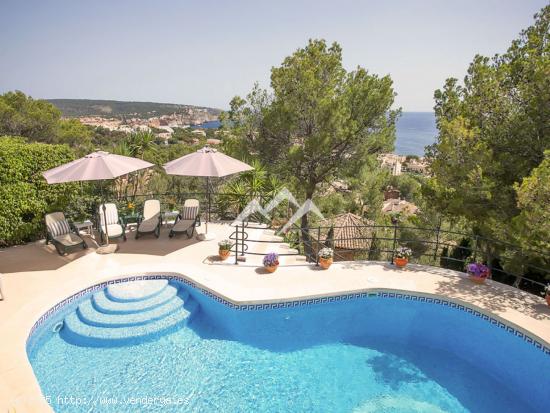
{"type": "Point", "coordinates": [209, 163]}
{"type": "Point", "coordinates": [95, 167]}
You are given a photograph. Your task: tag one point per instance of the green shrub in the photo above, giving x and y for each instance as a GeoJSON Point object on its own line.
{"type": "Point", "coordinates": [25, 196]}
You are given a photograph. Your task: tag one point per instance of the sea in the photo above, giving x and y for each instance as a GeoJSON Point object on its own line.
{"type": "Point", "coordinates": [415, 131]}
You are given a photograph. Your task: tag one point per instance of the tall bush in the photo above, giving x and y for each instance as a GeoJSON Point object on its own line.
{"type": "Point", "coordinates": [25, 196]}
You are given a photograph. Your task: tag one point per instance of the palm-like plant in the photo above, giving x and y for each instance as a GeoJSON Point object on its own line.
{"type": "Point", "coordinates": [141, 142]}
{"type": "Point", "coordinates": [238, 192]}
{"type": "Point", "coordinates": [135, 145]}
{"type": "Point", "coordinates": [122, 148]}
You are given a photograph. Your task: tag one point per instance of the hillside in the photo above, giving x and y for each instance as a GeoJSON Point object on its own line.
{"type": "Point", "coordinates": [89, 107]}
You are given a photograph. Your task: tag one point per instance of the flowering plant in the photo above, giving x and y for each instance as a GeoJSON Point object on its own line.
{"type": "Point", "coordinates": [403, 252]}
{"type": "Point", "coordinates": [225, 245]}
{"type": "Point", "coordinates": [171, 202]}
{"type": "Point", "coordinates": [131, 206]}
{"type": "Point", "coordinates": [326, 253]}
{"type": "Point", "coordinates": [271, 259]}
{"type": "Point", "coordinates": [476, 269]}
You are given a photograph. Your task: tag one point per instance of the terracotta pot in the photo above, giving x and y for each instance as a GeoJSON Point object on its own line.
{"type": "Point", "coordinates": [271, 268]}
{"type": "Point", "coordinates": [325, 262]}
{"type": "Point", "coordinates": [224, 254]}
{"type": "Point", "coordinates": [477, 280]}
{"type": "Point", "coordinates": [547, 298]}
{"type": "Point", "coordinates": [400, 262]}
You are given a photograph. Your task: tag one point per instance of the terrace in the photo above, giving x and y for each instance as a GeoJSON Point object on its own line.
{"type": "Point", "coordinates": [36, 278]}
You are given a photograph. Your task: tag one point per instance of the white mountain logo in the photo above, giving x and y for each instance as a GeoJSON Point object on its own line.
{"type": "Point", "coordinates": [284, 194]}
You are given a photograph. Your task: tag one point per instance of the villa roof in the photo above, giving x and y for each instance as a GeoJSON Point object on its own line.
{"type": "Point", "coordinates": [348, 227]}
{"type": "Point", "coordinates": [399, 206]}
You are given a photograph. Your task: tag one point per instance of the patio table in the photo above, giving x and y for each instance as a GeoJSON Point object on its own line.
{"type": "Point", "coordinates": [132, 217]}
{"type": "Point", "coordinates": [172, 215]}
{"type": "Point", "coordinates": [88, 225]}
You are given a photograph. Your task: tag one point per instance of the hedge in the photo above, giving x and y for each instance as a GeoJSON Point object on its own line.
{"type": "Point", "coordinates": [25, 196]}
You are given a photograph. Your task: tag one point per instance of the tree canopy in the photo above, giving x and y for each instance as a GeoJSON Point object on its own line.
{"type": "Point", "coordinates": [23, 116]}
{"type": "Point", "coordinates": [318, 118]}
{"type": "Point", "coordinates": [533, 222]}
{"type": "Point", "coordinates": [493, 131]}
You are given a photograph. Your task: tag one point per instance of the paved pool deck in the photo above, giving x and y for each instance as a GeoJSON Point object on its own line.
{"type": "Point", "coordinates": [35, 279]}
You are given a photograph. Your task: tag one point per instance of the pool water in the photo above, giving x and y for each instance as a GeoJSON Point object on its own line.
{"type": "Point", "coordinates": [361, 355]}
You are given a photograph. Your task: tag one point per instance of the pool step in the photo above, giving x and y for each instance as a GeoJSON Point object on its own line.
{"type": "Point", "coordinates": [129, 314]}
{"type": "Point", "coordinates": [89, 315]}
{"type": "Point", "coordinates": [104, 304]}
{"type": "Point", "coordinates": [79, 333]}
{"type": "Point", "coordinates": [135, 291]}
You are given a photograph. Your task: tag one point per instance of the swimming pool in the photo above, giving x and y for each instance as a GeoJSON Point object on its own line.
{"type": "Point", "coordinates": [370, 352]}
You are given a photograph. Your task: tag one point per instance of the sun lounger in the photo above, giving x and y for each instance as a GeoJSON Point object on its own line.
{"type": "Point", "coordinates": [115, 227]}
{"type": "Point", "coordinates": [62, 234]}
{"type": "Point", "coordinates": [188, 219]}
{"type": "Point", "coordinates": [151, 219]}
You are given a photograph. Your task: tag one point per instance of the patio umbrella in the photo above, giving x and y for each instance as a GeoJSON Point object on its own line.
{"type": "Point", "coordinates": [209, 163]}
{"type": "Point", "coordinates": [96, 166]}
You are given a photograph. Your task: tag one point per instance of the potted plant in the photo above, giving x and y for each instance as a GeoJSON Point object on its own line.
{"type": "Point", "coordinates": [325, 257]}
{"type": "Point", "coordinates": [401, 256]}
{"type": "Point", "coordinates": [171, 203]}
{"type": "Point", "coordinates": [477, 272]}
{"type": "Point", "coordinates": [224, 249]}
{"type": "Point", "coordinates": [271, 261]}
{"type": "Point", "coordinates": [546, 294]}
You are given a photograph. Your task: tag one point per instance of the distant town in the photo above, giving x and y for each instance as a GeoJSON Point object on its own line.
{"type": "Point", "coordinates": [163, 126]}
{"type": "Point", "coordinates": [399, 164]}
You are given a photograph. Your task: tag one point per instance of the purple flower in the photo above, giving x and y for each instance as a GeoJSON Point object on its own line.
{"type": "Point", "coordinates": [271, 259]}
{"type": "Point", "coordinates": [478, 270]}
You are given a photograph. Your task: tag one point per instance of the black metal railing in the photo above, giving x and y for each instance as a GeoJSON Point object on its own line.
{"type": "Point", "coordinates": [430, 246]}
{"type": "Point", "coordinates": [509, 263]}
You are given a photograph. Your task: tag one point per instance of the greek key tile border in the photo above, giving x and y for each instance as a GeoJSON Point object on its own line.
{"type": "Point", "coordinates": [460, 307]}
{"type": "Point", "coordinates": [289, 304]}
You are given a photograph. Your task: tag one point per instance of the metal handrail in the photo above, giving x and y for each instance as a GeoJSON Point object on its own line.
{"type": "Point", "coordinates": [436, 257]}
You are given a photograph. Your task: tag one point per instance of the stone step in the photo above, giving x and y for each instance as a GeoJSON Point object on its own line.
{"type": "Point", "coordinates": [285, 249]}
{"type": "Point", "coordinates": [89, 315]}
{"type": "Point", "coordinates": [272, 237]}
{"type": "Point", "coordinates": [103, 304]}
{"type": "Point", "coordinates": [135, 290]}
{"type": "Point", "coordinates": [78, 333]}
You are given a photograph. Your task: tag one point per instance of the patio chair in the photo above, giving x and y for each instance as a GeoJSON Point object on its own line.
{"type": "Point", "coordinates": [188, 219]}
{"type": "Point", "coordinates": [62, 234]}
{"type": "Point", "coordinates": [116, 227]}
{"type": "Point", "coordinates": [151, 219]}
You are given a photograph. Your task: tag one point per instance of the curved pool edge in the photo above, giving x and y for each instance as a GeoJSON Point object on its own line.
{"type": "Point", "coordinates": [20, 389]}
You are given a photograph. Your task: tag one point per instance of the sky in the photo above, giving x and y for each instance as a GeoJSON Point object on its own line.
{"type": "Point", "coordinates": [205, 52]}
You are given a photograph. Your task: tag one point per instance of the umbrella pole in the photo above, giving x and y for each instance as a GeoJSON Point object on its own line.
{"type": "Point", "coordinates": [206, 236]}
{"type": "Point", "coordinates": [105, 248]}
{"type": "Point", "coordinates": [104, 216]}
{"type": "Point", "coordinates": [208, 195]}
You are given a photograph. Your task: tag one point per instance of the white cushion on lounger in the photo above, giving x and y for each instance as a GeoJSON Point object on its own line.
{"type": "Point", "coordinates": [111, 213]}
{"type": "Point", "coordinates": [149, 225]}
{"type": "Point", "coordinates": [190, 212]}
{"type": "Point", "coordinates": [183, 225]}
{"type": "Point", "coordinates": [114, 230]}
{"type": "Point", "coordinates": [151, 208]}
{"type": "Point", "coordinates": [57, 224]}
